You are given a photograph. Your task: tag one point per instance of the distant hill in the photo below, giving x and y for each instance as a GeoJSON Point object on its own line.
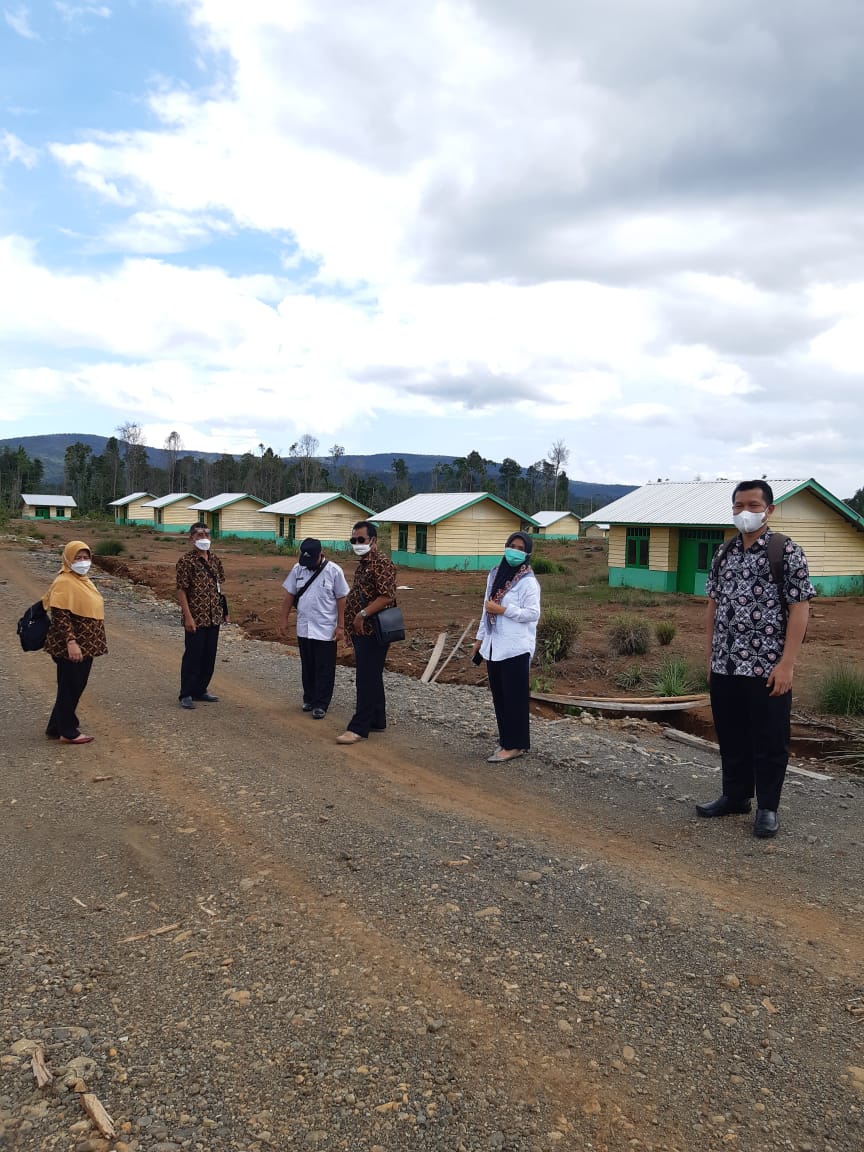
{"type": "Point", "coordinates": [51, 450]}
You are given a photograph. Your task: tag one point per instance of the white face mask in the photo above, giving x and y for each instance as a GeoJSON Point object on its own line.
{"type": "Point", "coordinates": [361, 549]}
{"type": "Point", "coordinates": [204, 545]}
{"type": "Point", "coordinates": [748, 521]}
{"type": "Point", "coordinates": [80, 567]}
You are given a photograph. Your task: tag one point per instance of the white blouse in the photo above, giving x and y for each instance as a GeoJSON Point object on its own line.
{"type": "Point", "coordinates": [516, 631]}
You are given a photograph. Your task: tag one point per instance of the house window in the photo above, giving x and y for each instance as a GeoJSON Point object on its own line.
{"type": "Point", "coordinates": [420, 538]}
{"type": "Point", "coordinates": [43, 513]}
{"type": "Point", "coordinates": [638, 540]}
{"type": "Point", "coordinates": [292, 529]}
{"type": "Point", "coordinates": [61, 512]}
{"type": "Point", "coordinates": [281, 531]}
{"type": "Point", "coordinates": [708, 540]}
{"type": "Point", "coordinates": [403, 538]}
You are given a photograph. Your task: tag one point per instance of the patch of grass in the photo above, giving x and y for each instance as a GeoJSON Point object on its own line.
{"type": "Point", "coordinates": [557, 630]}
{"type": "Point", "coordinates": [543, 567]}
{"type": "Point", "coordinates": [673, 677]}
{"type": "Point", "coordinates": [630, 678]}
{"type": "Point", "coordinates": [628, 635]}
{"type": "Point", "coordinates": [110, 547]}
{"type": "Point", "coordinates": [841, 690]}
{"type": "Point", "coordinates": [665, 631]}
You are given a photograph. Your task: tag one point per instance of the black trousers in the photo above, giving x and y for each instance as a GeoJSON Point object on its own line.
{"type": "Point", "coordinates": [510, 687]}
{"type": "Point", "coordinates": [72, 679]}
{"type": "Point", "coordinates": [318, 670]}
{"type": "Point", "coordinates": [199, 660]}
{"type": "Point", "coordinates": [753, 732]}
{"type": "Point", "coordinates": [370, 711]}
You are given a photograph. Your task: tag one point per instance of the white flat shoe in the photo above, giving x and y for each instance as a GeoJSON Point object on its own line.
{"type": "Point", "coordinates": [348, 738]}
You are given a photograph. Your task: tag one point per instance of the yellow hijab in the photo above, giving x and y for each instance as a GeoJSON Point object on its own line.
{"type": "Point", "coordinates": [77, 594]}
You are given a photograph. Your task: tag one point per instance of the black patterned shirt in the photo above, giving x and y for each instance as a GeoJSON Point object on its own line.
{"type": "Point", "coordinates": [202, 582]}
{"type": "Point", "coordinates": [749, 619]}
{"type": "Point", "coordinates": [374, 576]}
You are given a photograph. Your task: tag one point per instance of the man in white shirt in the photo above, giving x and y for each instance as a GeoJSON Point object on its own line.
{"type": "Point", "coordinates": [318, 588]}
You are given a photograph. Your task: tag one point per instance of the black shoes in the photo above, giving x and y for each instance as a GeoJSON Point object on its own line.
{"type": "Point", "coordinates": [307, 707]}
{"type": "Point", "coordinates": [208, 698]}
{"type": "Point", "coordinates": [318, 713]}
{"type": "Point", "coordinates": [766, 824]}
{"type": "Point", "coordinates": [187, 702]}
{"type": "Point", "coordinates": [723, 806]}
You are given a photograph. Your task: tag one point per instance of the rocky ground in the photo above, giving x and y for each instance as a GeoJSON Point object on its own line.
{"type": "Point", "coordinates": [236, 935]}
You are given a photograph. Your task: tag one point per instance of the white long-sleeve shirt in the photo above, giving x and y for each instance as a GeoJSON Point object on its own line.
{"type": "Point", "coordinates": [516, 631]}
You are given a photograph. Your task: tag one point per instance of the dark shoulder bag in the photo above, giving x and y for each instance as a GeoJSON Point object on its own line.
{"type": "Point", "coordinates": [388, 625]}
{"type": "Point", "coordinates": [33, 627]}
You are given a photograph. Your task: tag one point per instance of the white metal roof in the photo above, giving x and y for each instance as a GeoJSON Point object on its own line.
{"type": "Point", "coordinates": [128, 499]}
{"type": "Point", "coordinates": [430, 507]}
{"type": "Point", "coordinates": [696, 502]}
{"type": "Point", "coordinates": [222, 500]}
{"type": "Point", "coordinates": [306, 501]}
{"type": "Point", "coordinates": [545, 519]}
{"type": "Point", "coordinates": [171, 498]}
{"type": "Point", "coordinates": [42, 501]}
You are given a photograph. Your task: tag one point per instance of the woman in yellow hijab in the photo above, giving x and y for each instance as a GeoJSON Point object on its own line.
{"type": "Point", "coordinates": [76, 635]}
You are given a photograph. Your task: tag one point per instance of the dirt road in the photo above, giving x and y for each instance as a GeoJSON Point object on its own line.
{"type": "Point", "coordinates": [244, 937]}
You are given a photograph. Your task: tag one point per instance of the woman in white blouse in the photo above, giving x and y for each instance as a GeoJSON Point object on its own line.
{"type": "Point", "coordinates": [506, 640]}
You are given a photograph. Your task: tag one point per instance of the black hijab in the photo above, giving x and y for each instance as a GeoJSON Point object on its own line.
{"type": "Point", "coordinates": [507, 571]}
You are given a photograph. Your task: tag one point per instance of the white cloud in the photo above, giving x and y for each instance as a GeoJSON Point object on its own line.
{"type": "Point", "coordinates": [13, 148]}
{"type": "Point", "coordinates": [18, 19]}
{"type": "Point", "coordinates": [72, 12]}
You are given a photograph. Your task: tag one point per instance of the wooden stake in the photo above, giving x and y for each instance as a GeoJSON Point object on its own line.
{"type": "Point", "coordinates": [434, 658]}
{"type": "Point", "coordinates": [98, 1115]}
{"type": "Point", "coordinates": [40, 1071]}
{"type": "Point", "coordinates": [153, 932]}
{"type": "Point", "coordinates": [453, 653]}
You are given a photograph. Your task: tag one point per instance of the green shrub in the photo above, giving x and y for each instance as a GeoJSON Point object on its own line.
{"type": "Point", "coordinates": [628, 635]}
{"type": "Point", "coordinates": [557, 629]}
{"type": "Point", "coordinates": [543, 567]}
{"type": "Point", "coordinates": [841, 690]}
{"type": "Point", "coordinates": [109, 547]}
{"type": "Point", "coordinates": [631, 677]}
{"type": "Point", "coordinates": [665, 631]}
{"type": "Point", "coordinates": [673, 678]}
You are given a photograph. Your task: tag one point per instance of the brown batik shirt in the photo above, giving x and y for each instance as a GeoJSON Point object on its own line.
{"type": "Point", "coordinates": [375, 576]}
{"type": "Point", "coordinates": [202, 582]}
{"type": "Point", "coordinates": [89, 634]}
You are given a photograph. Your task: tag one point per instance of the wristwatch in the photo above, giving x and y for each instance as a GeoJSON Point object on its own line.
{"type": "Point", "coordinates": [363, 613]}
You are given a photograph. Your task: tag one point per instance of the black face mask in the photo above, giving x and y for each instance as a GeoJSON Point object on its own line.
{"type": "Point", "coordinates": [307, 560]}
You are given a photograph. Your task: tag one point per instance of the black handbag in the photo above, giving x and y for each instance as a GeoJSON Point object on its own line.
{"type": "Point", "coordinates": [33, 627]}
{"type": "Point", "coordinates": [388, 625]}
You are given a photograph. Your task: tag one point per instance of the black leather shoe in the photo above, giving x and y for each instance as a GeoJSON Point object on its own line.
{"type": "Point", "coordinates": [208, 698]}
{"type": "Point", "coordinates": [766, 824]}
{"type": "Point", "coordinates": [307, 707]}
{"type": "Point", "coordinates": [318, 713]}
{"type": "Point", "coordinates": [723, 806]}
{"type": "Point", "coordinates": [187, 702]}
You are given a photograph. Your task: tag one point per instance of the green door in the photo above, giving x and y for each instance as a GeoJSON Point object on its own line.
{"type": "Point", "coordinates": [696, 548]}
{"type": "Point", "coordinates": [688, 550]}
{"type": "Point", "coordinates": [214, 525]}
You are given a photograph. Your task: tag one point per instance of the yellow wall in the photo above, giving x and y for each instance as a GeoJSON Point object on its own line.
{"type": "Point", "coordinates": [331, 521]}
{"type": "Point", "coordinates": [617, 546]}
{"type": "Point", "coordinates": [179, 512]}
{"type": "Point", "coordinates": [476, 531]}
{"type": "Point", "coordinates": [663, 549]}
{"type": "Point", "coordinates": [241, 516]}
{"type": "Point", "coordinates": [136, 511]}
{"type": "Point", "coordinates": [567, 526]}
{"type": "Point", "coordinates": [833, 546]}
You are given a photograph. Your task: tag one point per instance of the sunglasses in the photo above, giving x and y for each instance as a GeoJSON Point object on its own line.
{"type": "Point", "coordinates": [359, 540]}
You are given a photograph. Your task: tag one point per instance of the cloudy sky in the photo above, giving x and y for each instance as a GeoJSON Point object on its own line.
{"type": "Point", "coordinates": [441, 225]}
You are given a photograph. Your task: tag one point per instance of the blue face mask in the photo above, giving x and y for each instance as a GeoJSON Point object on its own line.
{"type": "Point", "coordinates": [515, 556]}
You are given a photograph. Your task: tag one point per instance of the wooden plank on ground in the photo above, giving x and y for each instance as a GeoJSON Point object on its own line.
{"type": "Point", "coordinates": [103, 1122]}
{"type": "Point", "coordinates": [434, 658]}
{"type": "Point", "coordinates": [453, 653]}
{"type": "Point", "coordinates": [697, 700]}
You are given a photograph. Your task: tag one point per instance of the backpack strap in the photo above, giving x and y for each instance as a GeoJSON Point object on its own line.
{"type": "Point", "coordinates": [776, 550]}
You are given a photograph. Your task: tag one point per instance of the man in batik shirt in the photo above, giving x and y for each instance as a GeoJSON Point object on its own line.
{"type": "Point", "coordinates": [200, 577]}
{"type": "Point", "coordinates": [374, 589]}
{"type": "Point", "coordinates": [754, 634]}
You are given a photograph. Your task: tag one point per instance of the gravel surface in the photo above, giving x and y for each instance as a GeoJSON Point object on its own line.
{"type": "Point", "coordinates": [238, 935]}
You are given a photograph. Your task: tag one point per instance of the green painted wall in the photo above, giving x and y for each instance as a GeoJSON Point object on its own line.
{"type": "Point", "coordinates": [143, 523]}
{"type": "Point", "coordinates": [838, 585]}
{"type": "Point", "coordinates": [642, 578]}
{"type": "Point", "coordinates": [444, 563]}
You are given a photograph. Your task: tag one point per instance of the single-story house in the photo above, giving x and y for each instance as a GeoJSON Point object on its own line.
{"type": "Point", "coordinates": [442, 530]}
{"type": "Point", "coordinates": [663, 536]}
{"type": "Point", "coordinates": [594, 531]}
{"type": "Point", "coordinates": [557, 525]}
{"type": "Point", "coordinates": [172, 513]}
{"type": "Point", "coordinates": [133, 509]}
{"type": "Point", "coordinates": [233, 514]}
{"type": "Point", "coordinates": [35, 507]}
{"type": "Point", "coordinates": [326, 516]}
